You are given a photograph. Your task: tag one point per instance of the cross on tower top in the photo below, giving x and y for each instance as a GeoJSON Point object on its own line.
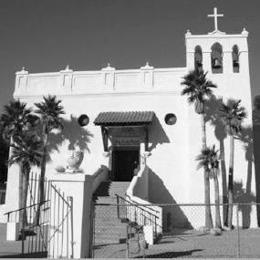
{"type": "Point", "coordinates": [215, 15]}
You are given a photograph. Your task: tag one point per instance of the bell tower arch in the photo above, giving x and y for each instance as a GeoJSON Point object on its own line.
{"type": "Point", "coordinates": [225, 57]}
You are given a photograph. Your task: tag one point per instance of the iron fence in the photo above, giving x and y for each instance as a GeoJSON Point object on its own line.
{"type": "Point", "coordinates": [183, 232]}
{"type": "Point", "coordinates": [45, 228]}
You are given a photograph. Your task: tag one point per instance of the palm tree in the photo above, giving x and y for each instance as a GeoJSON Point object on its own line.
{"type": "Point", "coordinates": [198, 88]}
{"type": "Point", "coordinates": [232, 115]}
{"type": "Point", "coordinates": [27, 153]}
{"type": "Point", "coordinates": [14, 118]}
{"type": "Point", "coordinates": [13, 122]}
{"type": "Point", "coordinates": [209, 160]}
{"type": "Point", "coordinates": [50, 111]}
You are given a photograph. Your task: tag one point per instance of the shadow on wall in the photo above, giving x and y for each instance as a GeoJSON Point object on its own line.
{"type": "Point", "coordinates": [173, 216]}
{"type": "Point", "coordinates": [246, 195]}
{"type": "Point", "coordinates": [256, 134]}
{"type": "Point", "coordinates": [246, 136]}
{"type": "Point", "coordinates": [76, 135]}
{"type": "Point", "coordinates": [243, 196]}
{"type": "Point", "coordinates": [212, 113]}
{"type": "Point", "coordinates": [157, 134]}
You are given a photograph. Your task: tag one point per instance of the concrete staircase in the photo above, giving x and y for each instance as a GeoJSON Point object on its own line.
{"type": "Point", "coordinates": [108, 227]}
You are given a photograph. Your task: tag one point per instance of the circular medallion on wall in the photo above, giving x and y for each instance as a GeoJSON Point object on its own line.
{"type": "Point", "coordinates": [170, 119]}
{"type": "Point", "coordinates": [83, 120]}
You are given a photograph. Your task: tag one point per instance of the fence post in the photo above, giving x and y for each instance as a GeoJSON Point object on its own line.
{"type": "Point", "coordinates": [22, 231]}
{"type": "Point", "coordinates": [71, 226]}
{"type": "Point", "coordinates": [92, 244]}
{"type": "Point", "coordinates": [117, 202]}
{"type": "Point", "coordinates": [238, 233]}
{"type": "Point", "coordinates": [127, 241]}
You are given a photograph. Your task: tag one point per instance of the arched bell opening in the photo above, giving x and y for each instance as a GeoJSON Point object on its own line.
{"type": "Point", "coordinates": [235, 59]}
{"type": "Point", "coordinates": [216, 58]}
{"type": "Point", "coordinates": [198, 58]}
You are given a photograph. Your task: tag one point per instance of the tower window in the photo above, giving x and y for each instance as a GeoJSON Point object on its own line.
{"type": "Point", "coordinates": [235, 59]}
{"type": "Point", "coordinates": [216, 58]}
{"type": "Point", "coordinates": [198, 58]}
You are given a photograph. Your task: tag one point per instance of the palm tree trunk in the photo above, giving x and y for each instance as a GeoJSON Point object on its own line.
{"type": "Point", "coordinates": [208, 216]}
{"type": "Point", "coordinates": [217, 208]}
{"type": "Point", "coordinates": [21, 196]}
{"type": "Point", "coordinates": [230, 181]}
{"type": "Point", "coordinates": [41, 196]}
{"type": "Point", "coordinates": [224, 182]}
{"type": "Point", "coordinates": [26, 173]}
{"type": "Point", "coordinates": [204, 135]}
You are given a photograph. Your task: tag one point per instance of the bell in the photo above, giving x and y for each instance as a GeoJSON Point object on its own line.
{"type": "Point", "coordinates": [235, 63]}
{"type": "Point", "coordinates": [216, 63]}
{"type": "Point", "coordinates": [199, 64]}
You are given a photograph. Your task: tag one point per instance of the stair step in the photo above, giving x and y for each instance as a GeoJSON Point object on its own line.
{"type": "Point", "coordinates": [108, 228]}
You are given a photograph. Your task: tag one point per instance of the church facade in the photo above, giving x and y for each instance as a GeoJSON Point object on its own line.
{"type": "Point", "coordinates": [124, 118]}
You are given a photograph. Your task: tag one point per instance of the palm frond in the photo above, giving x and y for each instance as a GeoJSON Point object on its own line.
{"type": "Point", "coordinates": [14, 118]}
{"type": "Point", "coordinates": [27, 149]}
{"type": "Point", "coordinates": [197, 87]}
{"type": "Point", "coordinates": [50, 110]}
{"type": "Point", "coordinates": [233, 115]}
{"type": "Point", "coordinates": [208, 159]}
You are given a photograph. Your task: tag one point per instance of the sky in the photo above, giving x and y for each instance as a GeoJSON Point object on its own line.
{"type": "Point", "coordinates": [46, 35]}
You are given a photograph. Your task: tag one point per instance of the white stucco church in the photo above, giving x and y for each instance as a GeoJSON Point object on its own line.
{"type": "Point", "coordinates": [137, 117]}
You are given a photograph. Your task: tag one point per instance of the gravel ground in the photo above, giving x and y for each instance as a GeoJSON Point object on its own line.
{"type": "Point", "coordinates": [192, 244]}
{"type": "Point", "coordinates": [180, 243]}
{"type": "Point", "coordinates": [12, 249]}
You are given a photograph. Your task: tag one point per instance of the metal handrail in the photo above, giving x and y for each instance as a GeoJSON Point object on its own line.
{"type": "Point", "coordinates": [17, 210]}
{"type": "Point", "coordinates": [136, 205]}
{"type": "Point", "coordinates": [146, 206]}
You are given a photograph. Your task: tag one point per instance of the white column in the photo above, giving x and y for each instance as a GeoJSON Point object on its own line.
{"type": "Point", "coordinates": [146, 79]}
{"type": "Point", "coordinates": [143, 165]}
{"type": "Point", "coordinates": [227, 62]}
{"type": "Point", "coordinates": [66, 79]}
{"type": "Point", "coordinates": [108, 77]}
{"type": "Point", "coordinates": [206, 55]}
{"type": "Point", "coordinates": [77, 189]}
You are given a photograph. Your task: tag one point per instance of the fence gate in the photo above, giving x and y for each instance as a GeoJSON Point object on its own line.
{"type": "Point", "coordinates": [47, 226]}
{"type": "Point", "coordinates": [61, 225]}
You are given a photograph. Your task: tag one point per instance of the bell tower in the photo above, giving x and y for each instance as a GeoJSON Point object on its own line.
{"type": "Point", "coordinates": [225, 58]}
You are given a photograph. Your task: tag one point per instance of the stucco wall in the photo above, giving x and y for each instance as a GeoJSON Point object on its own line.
{"type": "Point", "coordinates": [173, 175]}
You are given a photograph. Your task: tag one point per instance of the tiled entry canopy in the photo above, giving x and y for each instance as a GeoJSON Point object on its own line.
{"type": "Point", "coordinates": [124, 118]}
{"type": "Point", "coordinates": [131, 118]}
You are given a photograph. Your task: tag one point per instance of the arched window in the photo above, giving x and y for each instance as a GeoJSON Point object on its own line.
{"type": "Point", "coordinates": [235, 59]}
{"type": "Point", "coordinates": [198, 58]}
{"type": "Point", "coordinates": [216, 58]}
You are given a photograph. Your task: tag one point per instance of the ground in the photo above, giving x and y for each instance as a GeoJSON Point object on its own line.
{"type": "Point", "coordinates": [10, 249]}
{"type": "Point", "coordinates": [192, 244]}
{"type": "Point", "coordinates": [181, 243]}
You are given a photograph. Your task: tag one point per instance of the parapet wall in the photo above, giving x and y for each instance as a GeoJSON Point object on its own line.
{"type": "Point", "coordinates": [106, 80]}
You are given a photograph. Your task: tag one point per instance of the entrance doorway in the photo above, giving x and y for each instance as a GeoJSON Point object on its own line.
{"type": "Point", "coordinates": [124, 161]}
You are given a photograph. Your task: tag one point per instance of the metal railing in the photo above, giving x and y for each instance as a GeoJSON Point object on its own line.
{"type": "Point", "coordinates": [61, 242]}
{"type": "Point", "coordinates": [45, 228]}
{"type": "Point", "coordinates": [33, 235]}
{"type": "Point", "coordinates": [140, 214]}
{"type": "Point", "coordinates": [184, 232]}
